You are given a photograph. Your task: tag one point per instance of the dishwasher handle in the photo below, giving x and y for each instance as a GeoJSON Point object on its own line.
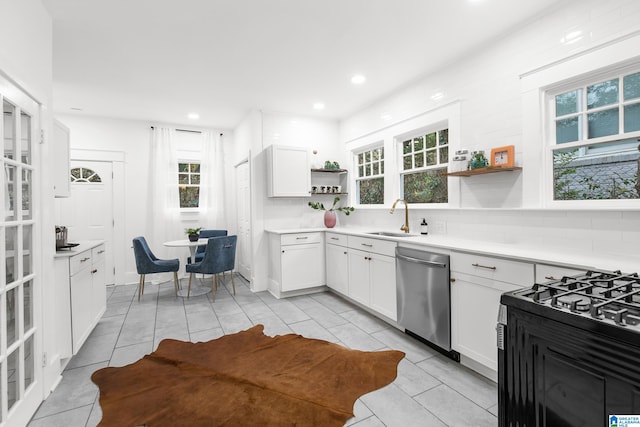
{"type": "Point", "coordinates": [421, 261]}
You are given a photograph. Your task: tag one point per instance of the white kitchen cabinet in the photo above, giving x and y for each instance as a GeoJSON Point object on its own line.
{"type": "Point", "coordinates": [547, 272]}
{"type": "Point", "coordinates": [478, 281]}
{"type": "Point", "coordinates": [337, 263]}
{"type": "Point", "coordinates": [288, 172]}
{"type": "Point", "coordinates": [61, 154]}
{"type": "Point", "coordinates": [372, 274]}
{"type": "Point", "coordinates": [81, 277]}
{"type": "Point", "coordinates": [297, 262]}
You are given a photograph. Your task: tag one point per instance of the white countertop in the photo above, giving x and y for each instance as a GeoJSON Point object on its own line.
{"type": "Point", "coordinates": [521, 251]}
{"type": "Point", "coordinates": [83, 245]}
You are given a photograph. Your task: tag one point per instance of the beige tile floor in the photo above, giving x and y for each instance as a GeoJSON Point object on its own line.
{"type": "Point", "coordinates": [430, 389]}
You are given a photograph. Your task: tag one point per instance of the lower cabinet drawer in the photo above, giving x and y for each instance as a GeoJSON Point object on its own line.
{"type": "Point", "coordinates": [79, 262]}
{"type": "Point", "coordinates": [504, 270]}
{"type": "Point", "coordinates": [300, 238]}
{"type": "Point", "coordinates": [378, 246]}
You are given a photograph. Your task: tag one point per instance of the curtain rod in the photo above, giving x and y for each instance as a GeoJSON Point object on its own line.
{"type": "Point", "coordinates": [188, 130]}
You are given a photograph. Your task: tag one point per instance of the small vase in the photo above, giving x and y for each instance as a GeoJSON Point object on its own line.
{"type": "Point", "coordinates": [194, 237]}
{"type": "Point", "coordinates": [330, 219]}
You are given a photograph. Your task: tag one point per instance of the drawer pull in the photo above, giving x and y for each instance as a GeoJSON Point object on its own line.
{"type": "Point", "coordinates": [101, 251]}
{"type": "Point", "coordinates": [334, 238]}
{"type": "Point", "coordinates": [367, 245]}
{"type": "Point", "coordinates": [550, 278]}
{"type": "Point", "coordinates": [302, 238]}
{"type": "Point", "coordinates": [452, 280]}
{"type": "Point", "coordinates": [85, 259]}
{"type": "Point", "coordinates": [484, 266]}
{"type": "Point", "coordinates": [95, 270]}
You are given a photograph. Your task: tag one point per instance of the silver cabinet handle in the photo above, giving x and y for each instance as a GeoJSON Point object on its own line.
{"type": "Point", "coordinates": [334, 238]}
{"type": "Point", "coordinates": [85, 259]}
{"type": "Point", "coordinates": [101, 251]}
{"type": "Point", "coordinates": [484, 266]}
{"type": "Point", "coordinates": [302, 238]}
{"type": "Point", "coordinates": [367, 245]}
{"type": "Point", "coordinates": [421, 261]}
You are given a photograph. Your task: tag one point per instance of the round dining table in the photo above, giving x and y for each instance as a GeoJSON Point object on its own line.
{"type": "Point", "coordinates": [185, 243]}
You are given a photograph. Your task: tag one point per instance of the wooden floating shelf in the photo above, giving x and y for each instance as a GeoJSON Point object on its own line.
{"type": "Point", "coordinates": [482, 171]}
{"type": "Point", "coordinates": [329, 170]}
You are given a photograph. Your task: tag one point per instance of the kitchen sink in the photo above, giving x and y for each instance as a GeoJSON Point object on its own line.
{"type": "Point", "coordinates": [390, 234]}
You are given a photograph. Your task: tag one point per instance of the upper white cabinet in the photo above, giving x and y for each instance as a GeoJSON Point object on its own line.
{"type": "Point", "coordinates": [288, 172]}
{"type": "Point", "coordinates": [61, 137]}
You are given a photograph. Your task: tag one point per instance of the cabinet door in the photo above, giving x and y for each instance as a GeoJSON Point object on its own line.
{"type": "Point", "coordinates": [288, 172]}
{"type": "Point", "coordinates": [474, 314]}
{"type": "Point", "coordinates": [383, 285]}
{"type": "Point", "coordinates": [359, 276]}
{"type": "Point", "coordinates": [302, 266]}
{"type": "Point", "coordinates": [81, 307]}
{"type": "Point", "coordinates": [338, 268]}
{"type": "Point", "coordinates": [99, 290]}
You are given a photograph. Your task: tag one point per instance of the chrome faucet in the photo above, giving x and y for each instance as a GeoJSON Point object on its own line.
{"type": "Point", "coordinates": [405, 227]}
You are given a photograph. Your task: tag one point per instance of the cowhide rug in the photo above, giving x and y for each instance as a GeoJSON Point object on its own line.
{"type": "Point", "coordinates": [243, 379]}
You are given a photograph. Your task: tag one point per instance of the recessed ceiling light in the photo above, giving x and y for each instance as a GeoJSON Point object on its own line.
{"type": "Point", "coordinates": [358, 79]}
{"type": "Point", "coordinates": [385, 116]}
{"type": "Point", "coordinates": [194, 116]}
{"type": "Point", "coordinates": [437, 96]}
{"type": "Point", "coordinates": [318, 106]}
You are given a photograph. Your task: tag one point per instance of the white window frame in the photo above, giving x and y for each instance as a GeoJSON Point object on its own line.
{"type": "Point", "coordinates": [551, 145]}
{"type": "Point", "coordinates": [189, 160]}
{"type": "Point", "coordinates": [399, 140]}
{"type": "Point", "coordinates": [356, 171]}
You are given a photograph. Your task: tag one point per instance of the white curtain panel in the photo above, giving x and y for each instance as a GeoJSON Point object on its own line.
{"type": "Point", "coordinates": [212, 182]}
{"type": "Point", "coordinates": [163, 214]}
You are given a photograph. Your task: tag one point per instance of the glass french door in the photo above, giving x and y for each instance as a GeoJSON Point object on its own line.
{"type": "Point", "coordinates": [20, 342]}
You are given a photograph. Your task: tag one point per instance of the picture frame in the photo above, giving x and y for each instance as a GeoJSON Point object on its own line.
{"type": "Point", "coordinates": [503, 157]}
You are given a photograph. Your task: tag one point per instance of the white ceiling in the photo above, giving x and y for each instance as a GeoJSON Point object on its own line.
{"type": "Point", "coordinates": [159, 60]}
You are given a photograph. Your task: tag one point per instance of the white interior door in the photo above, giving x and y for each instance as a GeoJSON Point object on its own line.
{"type": "Point", "coordinates": [21, 374]}
{"type": "Point", "coordinates": [243, 212]}
{"type": "Point", "coordinates": [88, 212]}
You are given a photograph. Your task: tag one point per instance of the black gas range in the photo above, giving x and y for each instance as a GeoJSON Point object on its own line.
{"type": "Point", "coordinates": [569, 351]}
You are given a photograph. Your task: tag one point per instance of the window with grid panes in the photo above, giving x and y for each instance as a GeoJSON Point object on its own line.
{"type": "Point", "coordinates": [425, 157]}
{"type": "Point", "coordinates": [189, 184]}
{"type": "Point", "coordinates": [370, 177]}
{"type": "Point", "coordinates": [597, 130]}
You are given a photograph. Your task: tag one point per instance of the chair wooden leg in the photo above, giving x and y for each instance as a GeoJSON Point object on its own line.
{"type": "Point", "coordinates": [189, 288]}
{"type": "Point", "coordinates": [214, 286]}
{"type": "Point", "coordinates": [140, 286]}
{"type": "Point", "coordinates": [233, 283]}
{"type": "Point", "coordinates": [176, 282]}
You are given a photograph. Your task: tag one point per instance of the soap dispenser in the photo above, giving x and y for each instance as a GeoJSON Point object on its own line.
{"type": "Point", "coordinates": [424, 227]}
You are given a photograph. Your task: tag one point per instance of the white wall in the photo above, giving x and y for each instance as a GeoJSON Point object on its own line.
{"type": "Point", "coordinates": [487, 84]}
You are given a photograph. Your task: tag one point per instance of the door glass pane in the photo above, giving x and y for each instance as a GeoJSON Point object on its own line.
{"type": "Point", "coordinates": [27, 307]}
{"type": "Point", "coordinates": [11, 190]}
{"type": "Point", "coordinates": [29, 362]}
{"type": "Point", "coordinates": [632, 86]}
{"type": "Point", "coordinates": [567, 130]}
{"type": "Point", "coordinates": [603, 123]}
{"type": "Point", "coordinates": [27, 250]}
{"type": "Point", "coordinates": [27, 211]}
{"type": "Point", "coordinates": [632, 118]}
{"type": "Point", "coordinates": [11, 260]}
{"type": "Point", "coordinates": [12, 318]}
{"type": "Point", "coordinates": [567, 103]}
{"type": "Point", "coordinates": [12, 378]}
{"type": "Point", "coordinates": [25, 130]}
{"type": "Point", "coordinates": [601, 94]}
{"type": "Point", "coordinates": [9, 113]}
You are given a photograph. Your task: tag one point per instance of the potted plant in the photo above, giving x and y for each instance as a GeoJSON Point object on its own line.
{"type": "Point", "coordinates": [330, 214]}
{"type": "Point", "coordinates": [193, 233]}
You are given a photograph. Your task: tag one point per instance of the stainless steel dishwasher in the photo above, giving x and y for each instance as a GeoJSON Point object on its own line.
{"type": "Point", "coordinates": [424, 297]}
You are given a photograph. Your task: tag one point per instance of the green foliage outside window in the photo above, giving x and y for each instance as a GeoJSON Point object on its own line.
{"type": "Point", "coordinates": [426, 187]}
{"type": "Point", "coordinates": [189, 184]}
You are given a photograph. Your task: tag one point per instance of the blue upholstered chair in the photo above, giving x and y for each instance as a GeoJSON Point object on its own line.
{"type": "Point", "coordinates": [147, 263]}
{"type": "Point", "coordinates": [219, 256]}
{"type": "Point", "coordinates": [205, 234]}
